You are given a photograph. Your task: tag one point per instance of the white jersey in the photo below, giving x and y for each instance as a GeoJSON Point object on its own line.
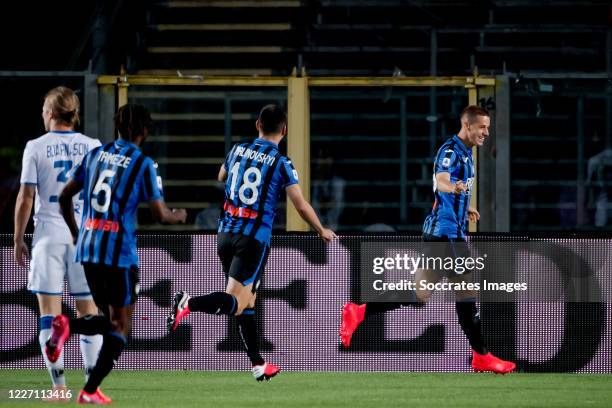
{"type": "Point", "coordinates": [47, 162]}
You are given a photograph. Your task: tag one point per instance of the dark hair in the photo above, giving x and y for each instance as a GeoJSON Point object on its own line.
{"type": "Point", "coordinates": [64, 105]}
{"type": "Point", "coordinates": [272, 119]}
{"type": "Point", "coordinates": [471, 111]}
{"type": "Point", "coordinates": [131, 121]}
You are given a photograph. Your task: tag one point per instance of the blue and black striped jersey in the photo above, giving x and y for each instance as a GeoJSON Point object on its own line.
{"type": "Point", "coordinates": [116, 178]}
{"type": "Point", "coordinates": [257, 175]}
{"type": "Point", "coordinates": [448, 216]}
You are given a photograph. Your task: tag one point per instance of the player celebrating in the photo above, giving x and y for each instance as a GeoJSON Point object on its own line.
{"type": "Point", "coordinates": [46, 163]}
{"type": "Point", "coordinates": [446, 222]}
{"type": "Point", "coordinates": [255, 175]}
{"type": "Point", "coordinates": [115, 178]}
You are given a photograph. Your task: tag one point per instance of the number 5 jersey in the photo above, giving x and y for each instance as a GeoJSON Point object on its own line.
{"type": "Point", "coordinates": [116, 178]}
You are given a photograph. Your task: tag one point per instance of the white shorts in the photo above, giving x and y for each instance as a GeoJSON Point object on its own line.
{"type": "Point", "coordinates": [52, 261]}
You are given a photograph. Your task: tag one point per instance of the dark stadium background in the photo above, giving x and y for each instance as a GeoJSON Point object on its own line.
{"type": "Point", "coordinates": [554, 57]}
{"type": "Point", "coordinates": [545, 176]}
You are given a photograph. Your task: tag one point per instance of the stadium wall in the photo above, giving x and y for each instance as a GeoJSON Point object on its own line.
{"type": "Point", "coordinates": [304, 287]}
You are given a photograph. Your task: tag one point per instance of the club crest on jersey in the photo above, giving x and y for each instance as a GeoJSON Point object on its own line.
{"type": "Point", "coordinates": [469, 184]}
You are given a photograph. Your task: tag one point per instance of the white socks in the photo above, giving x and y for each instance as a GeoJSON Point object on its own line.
{"type": "Point", "coordinates": [90, 348]}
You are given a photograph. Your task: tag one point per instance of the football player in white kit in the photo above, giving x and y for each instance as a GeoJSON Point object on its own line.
{"type": "Point", "coordinates": [47, 161]}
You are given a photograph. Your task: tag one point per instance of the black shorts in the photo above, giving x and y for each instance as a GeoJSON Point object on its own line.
{"type": "Point", "coordinates": [110, 285]}
{"type": "Point", "coordinates": [243, 258]}
{"type": "Point", "coordinates": [445, 247]}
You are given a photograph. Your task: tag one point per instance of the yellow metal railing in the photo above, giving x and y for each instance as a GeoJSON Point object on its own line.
{"type": "Point", "coordinates": [298, 144]}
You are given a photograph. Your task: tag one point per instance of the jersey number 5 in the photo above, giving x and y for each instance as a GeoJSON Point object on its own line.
{"type": "Point", "coordinates": [101, 194]}
{"type": "Point", "coordinates": [247, 184]}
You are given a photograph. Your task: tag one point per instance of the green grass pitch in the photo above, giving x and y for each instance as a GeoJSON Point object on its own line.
{"type": "Point", "coordinates": [324, 389]}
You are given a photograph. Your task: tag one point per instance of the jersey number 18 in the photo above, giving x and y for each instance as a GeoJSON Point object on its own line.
{"type": "Point", "coordinates": [247, 184]}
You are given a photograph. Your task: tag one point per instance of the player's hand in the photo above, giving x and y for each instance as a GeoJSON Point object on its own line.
{"type": "Point", "coordinates": [328, 235]}
{"type": "Point", "coordinates": [21, 252]}
{"type": "Point", "coordinates": [180, 214]}
{"type": "Point", "coordinates": [460, 187]}
{"type": "Point", "coordinates": [473, 215]}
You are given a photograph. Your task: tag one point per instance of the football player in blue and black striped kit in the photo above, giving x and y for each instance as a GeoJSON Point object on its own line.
{"type": "Point", "coordinates": [453, 181]}
{"type": "Point", "coordinates": [115, 179]}
{"type": "Point", "coordinates": [255, 176]}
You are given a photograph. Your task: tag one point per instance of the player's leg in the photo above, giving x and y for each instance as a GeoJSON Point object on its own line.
{"type": "Point", "coordinates": [92, 324]}
{"type": "Point", "coordinates": [467, 314]}
{"type": "Point", "coordinates": [219, 303]}
{"type": "Point", "coordinates": [46, 280]}
{"type": "Point", "coordinates": [469, 320]}
{"type": "Point", "coordinates": [246, 259]}
{"type": "Point", "coordinates": [414, 298]}
{"type": "Point", "coordinates": [113, 344]}
{"type": "Point", "coordinates": [89, 344]}
{"type": "Point", "coordinates": [212, 303]}
{"type": "Point", "coordinates": [121, 293]}
{"type": "Point", "coordinates": [354, 314]}
{"type": "Point", "coordinates": [51, 306]}
{"type": "Point", "coordinates": [247, 325]}
{"type": "Point", "coordinates": [236, 296]}
{"type": "Point", "coordinates": [89, 324]}
{"type": "Point", "coordinates": [247, 328]}
{"type": "Point", "coordinates": [245, 273]}
{"type": "Point", "coordinates": [248, 262]}
{"type": "Point", "coordinates": [465, 305]}
{"type": "Point", "coordinates": [77, 283]}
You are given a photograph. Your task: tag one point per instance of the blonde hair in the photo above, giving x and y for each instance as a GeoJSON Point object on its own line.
{"type": "Point", "coordinates": [64, 105]}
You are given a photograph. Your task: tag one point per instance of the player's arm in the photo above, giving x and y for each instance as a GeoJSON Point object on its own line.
{"type": "Point", "coordinates": [294, 192]}
{"type": "Point", "coordinates": [445, 185]}
{"type": "Point", "coordinates": [25, 199]}
{"type": "Point", "coordinates": [444, 165]}
{"type": "Point", "coordinates": [222, 176]}
{"type": "Point", "coordinates": [151, 193]}
{"type": "Point", "coordinates": [23, 208]}
{"type": "Point", "coordinates": [65, 202]}
{"type": "Point", "coordinates": [164, 215]}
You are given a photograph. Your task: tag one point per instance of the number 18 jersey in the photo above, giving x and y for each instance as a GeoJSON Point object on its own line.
{"type": "Point", "coordinates": [257, 175]}
{"type": "Point", "coordinates": [116, 178]}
